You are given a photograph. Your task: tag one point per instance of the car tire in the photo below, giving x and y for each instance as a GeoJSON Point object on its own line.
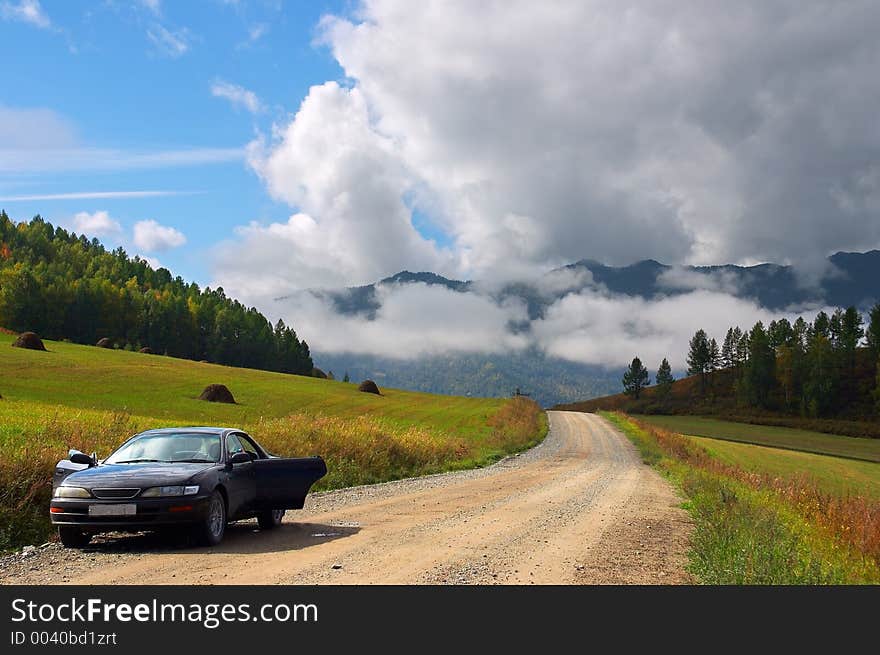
{"type": "Point", "coordinates": [270, 519]}
{"type": "Point", "coordinates": [212, 528]}
{"type": "Point", "coordinates": [72, 537]}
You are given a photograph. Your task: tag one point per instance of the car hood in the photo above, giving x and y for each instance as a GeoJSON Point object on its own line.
{"type": "Point", "coordinates": [152, 474]}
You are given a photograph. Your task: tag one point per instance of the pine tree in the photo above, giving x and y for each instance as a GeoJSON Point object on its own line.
{"type": "Point", "coordinates": [821, 325]}
{"type": "Point", "coordinates": [851, 333]}
{"type": "Point", "coordinates": [835, 327]}
{"type": "Point", "coordinates": [800, 330]}
{"type": "Point", "coordinates": [742, 347]}
{"type": "Point", "coordinates": [759, 374]}
{"type": "Point", "coordinates": [699, 357]}
{"type": "Point", "coordinates": [346, 378]}
{"type": "Point", "coordinates": [635, 378]}
{"type": "Point", "coordinates": [714, 356]}
{"type": "Point", "coordinates": [877, 389]}
{"type": "Point", "coordinates": [728, 350]}
{"type": "Point", "coordinates": [822, 378]}
{"type": "Point", "coordinates": [780, 333]}
{"type": "Point", "coordinates": [664, 380]}
{"type": "Point", "coordinates": [872, 333]}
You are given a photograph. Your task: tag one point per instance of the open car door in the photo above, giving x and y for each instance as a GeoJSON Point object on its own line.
{"type": "Point", "coordinates": [282, 482]}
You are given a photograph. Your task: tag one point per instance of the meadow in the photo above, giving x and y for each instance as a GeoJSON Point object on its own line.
{"type": "Point", "coordinates": [834, 475]}
{"type": "Point", "coordinates": [765, 435]}
{"type": "Point", "coordinates": [91, 398]}
{"type": "Point", "coordinates": [760, 518]}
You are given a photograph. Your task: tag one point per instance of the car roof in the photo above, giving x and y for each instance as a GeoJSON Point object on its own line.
{"type": "Point", "coordinates": [188, 428]}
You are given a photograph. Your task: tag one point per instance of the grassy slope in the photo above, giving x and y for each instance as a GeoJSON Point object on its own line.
{"type": "Point", "coordinates": [92, 399]}
{"type": "Point", "coordinates": [764, 435]}
{"type": "Point", "coordinates": [831, 474]}
{"type": "Point", "coordinates": [75, 380]}
{"type": "Point", "coordinates": [751, 528]}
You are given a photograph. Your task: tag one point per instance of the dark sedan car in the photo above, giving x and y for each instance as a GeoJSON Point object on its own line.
{"type": "Point", "coordinates": [196, 477]}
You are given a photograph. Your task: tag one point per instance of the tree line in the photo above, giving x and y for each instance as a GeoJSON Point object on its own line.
{"type": "Point", "coordinates": [65, 286]}
{"type": "Point", "coordinates": [809, 368]}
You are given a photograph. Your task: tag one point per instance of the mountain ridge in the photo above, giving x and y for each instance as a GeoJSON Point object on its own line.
{"type": "Point", "coordinates": [854, 280]}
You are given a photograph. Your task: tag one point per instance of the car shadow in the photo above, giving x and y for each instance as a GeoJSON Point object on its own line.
{"type": "Point", "coordinates": [243, 537]}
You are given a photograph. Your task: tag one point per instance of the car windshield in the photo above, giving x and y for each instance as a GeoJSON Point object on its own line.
{"type": "Point", "coordinates": [168, 447]}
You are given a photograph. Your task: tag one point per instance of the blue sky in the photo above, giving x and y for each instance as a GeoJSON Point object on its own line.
{"type": "Point", "coordinates": [117, 80]}
{"type": "Point", "coordinates": [491, 141]}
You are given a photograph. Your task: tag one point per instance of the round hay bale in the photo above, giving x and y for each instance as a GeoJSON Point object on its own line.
{"type": "Point", "coordinates": [217, 393]}
{"type": "Point", "coordinates": [146, 350]}
{"type": "Point", "coordinates": [368, 386]}
{"type": "Point", "coordinates": [28, 340]}
{"type": "Point", "coordinates": [104, 343]}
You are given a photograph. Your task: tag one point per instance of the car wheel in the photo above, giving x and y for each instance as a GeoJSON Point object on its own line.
{"type": "Point", "coordinates": [270, 518]}
{"type": "Point", "coordinates": [73, 537]}
{"type": "Point", "coordinates": [210, 531]}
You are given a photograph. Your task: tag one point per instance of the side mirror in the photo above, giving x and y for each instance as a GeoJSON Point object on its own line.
{"type": "Point", "coordinates": [79, 457]}
{"type": "Point", "coordinates": [240, 458]}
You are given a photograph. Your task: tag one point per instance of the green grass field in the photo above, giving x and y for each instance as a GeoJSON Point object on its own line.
{"type": "Point", "coordinates": [92, 399]}
{"type": "Point", "coordinates": [834, 475]}
{"type": "Point", "coordinates": [73, 379]}
{"type": "Point", "coordinates": [767, 515]}
{"type": "Point", "coordinates": [776, 437]}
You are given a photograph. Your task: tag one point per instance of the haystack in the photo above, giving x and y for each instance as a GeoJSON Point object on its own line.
{"type": "Point", "coordinates": [104, 343]}
{"type": "Point", "coordinates": [146, 350]}
{"type": "Point", "coordinates": [368, 386]}
{"type": "Point", "coordinates": [318, 373]}
{"type": "Point", "coordinates": [28, 340]}
{"type": "Point", "coordinates": [217, 393]}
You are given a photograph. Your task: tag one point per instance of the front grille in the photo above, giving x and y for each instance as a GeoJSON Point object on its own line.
{"type": "Point", "coordinates": [115, 493]}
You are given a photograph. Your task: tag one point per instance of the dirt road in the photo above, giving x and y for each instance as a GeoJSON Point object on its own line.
{"type": "Point", "coordinates": [579, 508]}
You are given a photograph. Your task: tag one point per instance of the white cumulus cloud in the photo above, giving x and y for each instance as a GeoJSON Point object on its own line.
{"type": "Point", "coordinates": [150, 236]}
{"type": "Point", "coordinates": [349, 187]}
{"type": "Point", "coordinates": [96, 224]}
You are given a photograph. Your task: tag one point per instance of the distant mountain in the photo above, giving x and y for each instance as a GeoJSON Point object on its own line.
{"type": "Point", "coordinates": [852, 279]}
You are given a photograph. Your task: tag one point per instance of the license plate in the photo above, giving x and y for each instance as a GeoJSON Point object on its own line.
{"type": "Point", "coordinates": [113, 510]}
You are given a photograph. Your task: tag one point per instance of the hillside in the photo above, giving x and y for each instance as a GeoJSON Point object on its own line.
{"type": "Point", "coordinates": [855, 415]}
{"type": "Point", "coordinates": [92, 398]}
{"type": "Point", "coordinates": [64, 286]}
{"type": "Point", "coordinates": [547, 380]}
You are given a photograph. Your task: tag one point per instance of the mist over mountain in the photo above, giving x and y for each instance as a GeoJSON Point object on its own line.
{"type": "Point", "coordinates": [850, 279]}
{"type": "Point", "coordinates": [565, 335]}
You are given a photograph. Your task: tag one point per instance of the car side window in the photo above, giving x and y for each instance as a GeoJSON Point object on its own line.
{"type": "Point", "coordinates": [233, 445]}
{"type": "Point", "coordinates": [249, 446]}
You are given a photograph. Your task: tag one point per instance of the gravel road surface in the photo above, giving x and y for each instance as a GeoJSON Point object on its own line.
{"type": "Point", "coordinates": [581, 508]}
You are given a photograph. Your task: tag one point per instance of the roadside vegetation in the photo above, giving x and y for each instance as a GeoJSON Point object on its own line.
{"type": "Point", "coordinates": [807, 441]}
{"type": "Point", "coordinates": [92, 399]}
{"type": "Point", "coordinates": [756, 525]}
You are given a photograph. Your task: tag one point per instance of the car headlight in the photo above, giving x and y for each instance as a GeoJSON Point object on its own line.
{"type": "Point", "coordinates": [71, 492]}
{"type": "Point", "coordinates": [174, 490]}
